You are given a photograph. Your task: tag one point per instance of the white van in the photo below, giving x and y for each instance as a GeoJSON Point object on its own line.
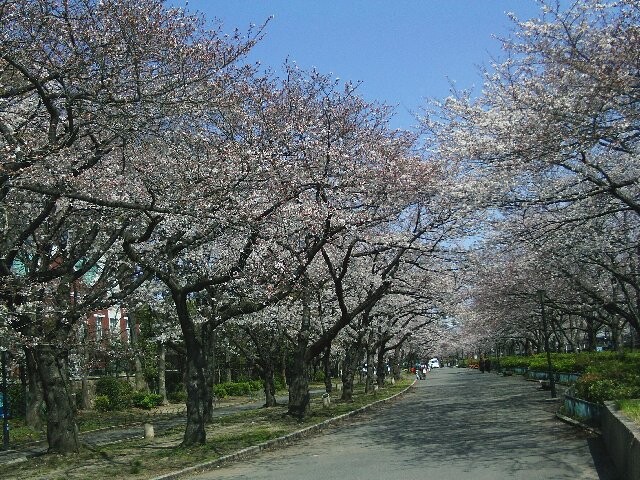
{"type": "Point", "coordinates": [434, 363]}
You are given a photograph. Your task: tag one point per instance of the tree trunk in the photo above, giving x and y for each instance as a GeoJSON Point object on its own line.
{"type": "Point", "coordinates": [62, 431]}
{"type": "Point", "coordinates": [140, 380]}
{"type": "Point", "coordinates": [351, 363]}
{"type": "Point", "coordinates": [199, 397]}
{"type": "Point", "coordinates": [269, 385]}
{"type": "Point", "coordinates": [326, 365]}
{"type": "Point", "coordinates": [368, 386]}
{"type": "Point", "coordinates": [396, 369]}
{"type": "Point", "coordinates": [86, 398]}
{"type": "Point", "coordinates": [35, 399]}
{"type": "Point", "coordinates": [299, 396]}
{"type": "Point", "coordinates": [162, 372]}
{"type": "Point", "coordinates": [381, 367]}
{"type": "Point", "coordinates": [227, 364]}
{"type": "Point", "coordinates": [209, 344]}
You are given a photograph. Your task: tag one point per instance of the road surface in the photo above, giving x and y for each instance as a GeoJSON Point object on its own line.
{"type": "Point", "coordinates": [458, 424]}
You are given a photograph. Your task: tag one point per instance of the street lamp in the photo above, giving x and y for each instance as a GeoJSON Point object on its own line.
{"type": "Point", "coordinates": [552, 379]}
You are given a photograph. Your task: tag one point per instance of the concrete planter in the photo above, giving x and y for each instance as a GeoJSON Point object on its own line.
{"type": "Point", "coordinates": [586, 411]}
{"type": "Point", "coordinates": [515, 370]}
{"type": "Point", "coordinates": [622, 438]}
{"type": "Point", "coordinates": [561, 377]}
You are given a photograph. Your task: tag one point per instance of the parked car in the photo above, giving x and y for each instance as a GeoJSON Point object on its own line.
{"type": "Point", "coordinates": [434, 363]}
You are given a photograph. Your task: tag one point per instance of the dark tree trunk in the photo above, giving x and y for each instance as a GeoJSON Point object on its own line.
{"type": "Point", "coordinates": [199, 397]}
{"type": "Point", "coordinates": [368, 386]}
{"type": "Point", "coordinates": [209, 345]}
{"type": "Point", "coordinates": [269, 383]}
{"type": "Point", "coordinates": [396, 368]}
{"type": "Point", "coordinates": [381, 367]}
{"type": "Point", "coordinates": [326, 365]}
{"type": "Point", "coordinates": [299, 397]}
{"type": "Point", "coordinates": [351, 364]}
{"type": "Point", "coordinates": [34, 399]}
{"type": "Point", "coordinates": [162, 372]}
{"type": "Point", "coordinates": [62, 432]}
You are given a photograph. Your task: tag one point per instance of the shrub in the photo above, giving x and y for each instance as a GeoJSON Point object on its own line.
{"type": "Point", "coordinates": [280, 382]}
{"type": "Point", "coordinates": [236, 389]}
{"type": "Point", "coordinates": [119, 392]}
{"type": "Point", "coordinates": [102, 403]}
{"type": "Point", "coordinates": [146, 400]}
{"type": "Point", "coordinates": [179, 396]}
{"type": "Point", "coordinates": [219, 391]}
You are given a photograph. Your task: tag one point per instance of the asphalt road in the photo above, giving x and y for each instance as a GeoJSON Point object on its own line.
{"type": "Point", "coordinates": [456, 425]}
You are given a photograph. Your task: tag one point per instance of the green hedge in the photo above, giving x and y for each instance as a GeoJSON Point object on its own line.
{"type": "Point", "coordinates": [117, 391]}
{"type": "Point", "coordinates": [603, 375]}
{"type": "Point", "coordinates": [568, 362]}
{"type": "Point", "coordinates": [237, 389]}
{"type": "Point", "coordinates": [117, 394]}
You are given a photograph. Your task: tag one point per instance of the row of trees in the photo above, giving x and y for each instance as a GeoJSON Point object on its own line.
{"type": "Point", "coordinates": [552, 147]}
{"type": "Point", "coordinates": [144, 163]}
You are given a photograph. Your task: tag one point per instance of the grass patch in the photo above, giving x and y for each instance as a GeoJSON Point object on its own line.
{"type": "Point", "coordinates": [631, 408]}
{"type": "Point", "coordinates": [142, 459]}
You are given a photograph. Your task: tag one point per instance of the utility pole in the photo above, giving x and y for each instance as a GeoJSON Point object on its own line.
{"type": "Point", "coordinates": [552, 377]}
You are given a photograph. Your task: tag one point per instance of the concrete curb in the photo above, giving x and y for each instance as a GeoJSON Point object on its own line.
{"type": "Point", "coordinates": [621, 435]}
{"type": "Point", "coordinates": [280, 441]}
{"type": "Point", "coordinates": [577, 423]}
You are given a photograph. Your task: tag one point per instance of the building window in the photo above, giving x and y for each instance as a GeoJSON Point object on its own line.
{"type": "Point", "coordinates": [114, 326]}
{"type": "Point", "coordinates": [99, 318]}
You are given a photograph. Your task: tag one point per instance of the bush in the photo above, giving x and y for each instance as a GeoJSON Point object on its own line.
{"type": "Point", "coordinates": [146, 400]}
{"type": "Point", "coordinates": [119, 392]}
{"type": "Point", "coordinates": [236, 389]}
{"type": "Point", "coordinates": [219, 391]}
{"type": "Point", "coordinates": [612, 377]}
{"type": "Point", "coordinates": [179, 396]}
{"type": "Point", "coordinates": [102, 403]}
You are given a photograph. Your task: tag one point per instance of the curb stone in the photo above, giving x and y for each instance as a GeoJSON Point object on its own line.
{"type": "Point", "coordinates": [579, 424]}
{"type": "Point", "coordinates": [280, 441]}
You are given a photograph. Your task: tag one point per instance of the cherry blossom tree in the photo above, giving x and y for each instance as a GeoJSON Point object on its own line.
{"type": "Point", "coordinates": [83, 86]}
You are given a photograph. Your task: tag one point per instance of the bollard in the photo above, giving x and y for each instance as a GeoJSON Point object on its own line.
{"type": "Point", "coordinates": [326, 400]}
{"type": "Point", "coordinates": [148, 430]}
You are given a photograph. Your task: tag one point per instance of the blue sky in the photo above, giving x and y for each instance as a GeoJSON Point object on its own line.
{"type": "Point", "coordinates": [402, 51]}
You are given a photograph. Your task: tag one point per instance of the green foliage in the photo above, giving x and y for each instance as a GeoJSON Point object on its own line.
{"type": "Point", "coordinates": [631, 408]}
{"type": "Point", "coordinates": [16, 400]}
{"type": "Point", "coordinates": [237, 389]}
{"type": "Point", "coordinates": [280, 383]}
{"type": "Point", "coordinates": [102, 403]}
{"type": "Point", "coordinates": [119, 392]}
{"type": "Point", "coordinates": [179, 396]}
{"type": "Point", "coordinates": [614, 377]}
{"type": "Point", "coordinates": [318, 376]}
{"type": "Point", "coordinates": [146, 400]}
{"type": "Point", "coordinates": [514, 362]}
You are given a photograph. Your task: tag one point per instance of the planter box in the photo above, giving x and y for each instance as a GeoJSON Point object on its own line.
{"type": "Point", "coordinates": [622, 438]}
{"type": "Point", "coordinates": [561, 377]}
{"type": "Point", "coordinates": [586, 411]}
